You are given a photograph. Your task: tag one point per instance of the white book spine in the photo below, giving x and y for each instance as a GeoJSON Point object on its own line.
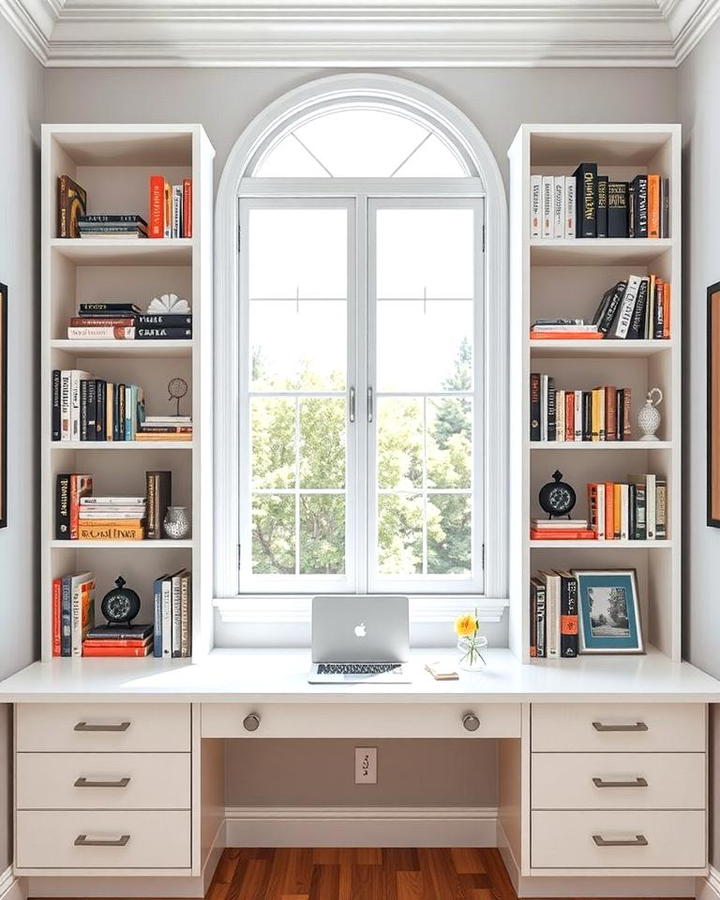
{"type": "Point", "coordinates": [65, 406]}
{"type": "Point", "coordinates": [651, 507]}
{"type": "Point", "coordinates": [76, 376]}
{"type": "Point", "coordinates": [624, 513]}
{"type": "Point", "coordinates": [601, 511]}
{"type": "Point", "coordinates": [578, 415]}
{"type": "Point", "coordinates": [547, 206]}
{"type": "Point", "coordinates": [167, 617]}
{"type": "Point", "coordinates": [627, 306]}
{"type": "Point", "coordinates": [553, 617]}
{"type": "Point", "coordinates": [570, 201]}
{"type": "Point", "coordinates": [535, 206]}
{"type": "Point", "coordinates": [544, 384]}
{"type": "Point", "coordinates": [176, 616]}
{"type": "Point", "coordinates": [559, 206]}
{"type": "Point", "coordinates": [177, 193]}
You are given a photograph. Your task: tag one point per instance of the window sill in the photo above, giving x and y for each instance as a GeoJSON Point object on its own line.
{"type": "Point", "coordinates": [275, 609]}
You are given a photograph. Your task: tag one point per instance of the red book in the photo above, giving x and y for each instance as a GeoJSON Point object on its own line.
{"type": "Point", "coordinates": [566, 336]}
{"type": "Point", "coordinates": [115, 642]}
{"type": "Point", "coordinates": [561, 534]}
{"type": "Point", "coordinates": [56, 607]}
{"type": "Point", "coordinates": [187, 208]}
{"type": "Point", "coordinates": [156, 217]}
{"type": "Point", "coordinates": [90, 650]}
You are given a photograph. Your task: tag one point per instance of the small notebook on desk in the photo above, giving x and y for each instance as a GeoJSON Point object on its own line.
{"type": "Point", "coordinates": [442, 670]}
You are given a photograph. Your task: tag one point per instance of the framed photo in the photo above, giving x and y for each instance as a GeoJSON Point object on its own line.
{"type": "Point", "coordinates": [3, 402]}
{"type": "Point", "coordinates": [713, 405]}
{"type": "Point", "coordinates": [609, 611]}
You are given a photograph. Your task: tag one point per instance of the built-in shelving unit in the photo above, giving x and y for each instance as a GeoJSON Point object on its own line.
{"type": "Point", "coordinates": [567, 278]}
{"type": "Point", "coordinates": [113, 163]}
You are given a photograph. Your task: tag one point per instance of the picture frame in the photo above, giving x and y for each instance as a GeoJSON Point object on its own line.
{"type": "Point", "coordinates": [713, 405]}
{"type": "Point", "coordinates": [608, 611]}
{"type": "Point", "coordinates": [3, 403]}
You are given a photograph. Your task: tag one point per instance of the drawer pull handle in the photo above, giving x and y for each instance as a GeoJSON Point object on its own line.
{"type": "Point", "coordinates": [251, 722]}
{"type": "Point", "coordinates": [633, 782]}
{"type": "Point", "coordinates": [82, 841]}
{"type": "Point", "coordinates": [86, 783]}
{"type": "Point", "coordinates": [471, 722]}
{"type": "Point", "coordinates": [634, 726]}
{"type": "Point", "coordinates": [88, 726]}
{"type": "Point", "coordinates": [638, 841]}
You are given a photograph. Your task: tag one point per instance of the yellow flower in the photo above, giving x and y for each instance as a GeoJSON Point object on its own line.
{"type": "Point", "coordinates": [466, 626]}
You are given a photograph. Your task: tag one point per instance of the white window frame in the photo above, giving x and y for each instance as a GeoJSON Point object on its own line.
{"type": "Point", "coordinates": [486, 183]}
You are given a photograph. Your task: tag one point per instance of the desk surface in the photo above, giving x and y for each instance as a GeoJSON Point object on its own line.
{"type": "Point", "coordinates": [280, 676]}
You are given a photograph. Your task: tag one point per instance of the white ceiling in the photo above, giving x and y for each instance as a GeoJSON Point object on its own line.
{"type": "Point", "coordinates": [366, 33]}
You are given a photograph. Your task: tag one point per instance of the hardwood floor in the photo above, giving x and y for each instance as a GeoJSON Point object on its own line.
{"type": "Point", "coordinates": [361, 874]}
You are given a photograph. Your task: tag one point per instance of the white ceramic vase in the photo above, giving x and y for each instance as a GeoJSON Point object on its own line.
{"type": "Point", "coordinates": [649, 417]}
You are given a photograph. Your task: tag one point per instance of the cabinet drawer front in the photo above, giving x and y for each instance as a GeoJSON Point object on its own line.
{"type": "Point", "coordinates": [618, 781]}
{"type": "Point", "coordinates": [360, 720]}
{"type": "Point", "coordinates": [116, 839]}
{"type": "Point", "coordinates": [640, 839]}
{"type": "Point", "coordinates": [103, 781]}
{"type": "Point", "coordinates": [618, 726]}
{"type": "Point", "coordinates": [109, 727]}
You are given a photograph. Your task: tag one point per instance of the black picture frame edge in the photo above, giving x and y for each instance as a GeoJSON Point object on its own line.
{"type": "Point", "coordinates": [712, 290]}
{"type": "Point", "coordinates": [3, 404]}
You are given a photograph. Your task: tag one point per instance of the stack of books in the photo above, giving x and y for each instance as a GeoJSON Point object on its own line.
{"type": "Point", "coordinates": [112, 518]}
{"type": "Point", "coordinates": [602, 414]}
{"type": "Point", "coordinates": [85, 408]}
{"type": "Point", "coordinates": [165, 428]}
{"type": "Point", "coordinates": [170, 208]}
{"type": "Point", "coordinates": [118, 640]}
{"type": "Point", "coordinates": [554, 615]}
{"type": "Point", "coordinates": [112, 226]}
{"type": "Point", "coordinates": [588, 205]}
{"type": "Point", "coordinates": [561, 530]}
{"type": "Point", "coordinates": [124, 321]}
{"type": "Point", "coordinates": [73, 612]}
{"type": "Point", "coordinates": [631, 511]}
{"type": "Point", "coordinates": [173, 615]}
{"type": "Point", "coordinates": [564, 329]}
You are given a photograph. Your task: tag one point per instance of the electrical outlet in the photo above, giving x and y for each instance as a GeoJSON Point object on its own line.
{"type": "Point", "coordinates": [366, 765]}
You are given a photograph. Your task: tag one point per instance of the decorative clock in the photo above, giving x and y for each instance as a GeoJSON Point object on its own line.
{"type": "Point", "coordinates": [120, 605]}
{"type": "Point", "coordinates": [557, 498]}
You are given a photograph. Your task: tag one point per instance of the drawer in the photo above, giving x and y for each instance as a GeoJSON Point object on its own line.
{"type": "Point", "coordinates": [677, 727]}
{"type": "Point", "coordinates": [117, 839]}
{"type": "Point", "coordinates": [360, 720]}
{"type": "Point", "coordinates": [109, 727]}
{"type": "Point", "coordinates": [640, 839]}
{"type": "Point", "coordinates": [618, 780]}
{"type": "Point", "coordinates": [102, 780]}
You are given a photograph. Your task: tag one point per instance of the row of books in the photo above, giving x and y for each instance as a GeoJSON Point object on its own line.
{"type": "Point", "coordinates": [554, 615]}
{"type": "Point", "coordinates": [125, 321]}
{"type": "Point", "coordinates": [588, 205]}
{"type": "Point", "coordinates": [79, 515]}
{"type": "Point", "coordinates": [602, 414]}
{"type": "Point", "coordinates": [170, 208]}
{"type": "Point", "coordinates": [172, 596]}
{"type": "Point", "coordinates": [73, 612]}
{"type": "Point", "coordinates": [631, 511]}
{"type": "Point", "coordinates": [85, 408]}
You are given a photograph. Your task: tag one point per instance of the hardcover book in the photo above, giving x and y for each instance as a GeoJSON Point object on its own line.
{"type": "Point", "coordinates": [602, 206]}
{"type": "Point", "coordinates": [72, 203]}
{"type": "Point", "coordinates": [617, 213]}
{"type": "Point", "coordinates": [586, 221]}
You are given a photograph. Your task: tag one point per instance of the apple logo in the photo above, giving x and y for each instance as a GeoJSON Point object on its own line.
{"type": "Point", "coordinates": [360, 630]}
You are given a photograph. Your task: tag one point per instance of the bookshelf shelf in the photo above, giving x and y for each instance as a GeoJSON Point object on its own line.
{"type": "Point", "coordinates": [566, 278]}
{"type": "Point", "coordinates": [113, 163]}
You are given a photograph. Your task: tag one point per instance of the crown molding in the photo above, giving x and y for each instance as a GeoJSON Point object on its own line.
{"type": "Point", "coordinates": [219, 33]}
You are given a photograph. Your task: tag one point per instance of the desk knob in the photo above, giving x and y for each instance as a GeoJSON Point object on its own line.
{"type": "Point", "coordinates": [251, 722]}
{"type": "Point", "coordinates": [470, 722]}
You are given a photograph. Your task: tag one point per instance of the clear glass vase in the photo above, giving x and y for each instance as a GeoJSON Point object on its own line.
{"type": "Point", "coordinates": [177, 522]}
{"type": "Point", "coordinates": [472, 651]}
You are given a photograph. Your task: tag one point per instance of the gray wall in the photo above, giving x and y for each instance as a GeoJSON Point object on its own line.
{"type": "Point", "coordinates": [699, 108]}
{"type": "Point", "coordinates": [224, 101]}
{"type": "Point", "coordinates": [21, 94]}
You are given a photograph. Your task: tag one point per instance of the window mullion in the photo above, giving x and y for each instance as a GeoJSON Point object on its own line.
{"type": "Point", "coordinates": [362, 350]}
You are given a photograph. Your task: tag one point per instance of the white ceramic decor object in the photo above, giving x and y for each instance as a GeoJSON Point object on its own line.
{"type": "Point", "coordinates": [649, 416]}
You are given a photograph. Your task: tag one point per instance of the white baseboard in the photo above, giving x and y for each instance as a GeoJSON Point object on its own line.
{"type": "Point", "coordinates": [361, 827]}
{"type": "Point", "coordinates": [11, 887]}
{"type": "Point", "coordinates": [708, 888]}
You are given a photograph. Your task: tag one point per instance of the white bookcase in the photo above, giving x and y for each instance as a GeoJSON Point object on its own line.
{"type": "Point", "coordinates": [567, 278]}
{"type": "Point", "coordinates": [113, 163]}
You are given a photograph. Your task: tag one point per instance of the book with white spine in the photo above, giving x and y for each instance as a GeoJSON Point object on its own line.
{"type": "Point", "coordinates": [559, 206]}
{"type": "Point", "coordinates": [570, 201]}
{"type": "Point", "coordinates": [535, 206]}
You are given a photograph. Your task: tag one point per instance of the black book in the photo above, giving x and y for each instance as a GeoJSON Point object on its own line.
{"type": "Point", "coordinates": [617, 213]}
{"type": "Point", "coordinates": [55, 410]}
{"type": "Point", "coordinates": [620, 415]}
{"type": "Point", "coordinates": [102, 218]}
{"type": "Point", "coordinates": [611, 311]}
{"type": "Point", "coordinates": [120, 418]}
{"type": "Point", "coordinates": [158, 490]}
{"type": "Point", "coordinates": [664, 207]}
{"type": "Point", "coordinates": [62, 508]}
{"type": "Point", "coordinates": [637, 323]}
{"type": "Point", "coordinates": [164, 320]}
{"type": "Point", "coordinates": [659, 323]}
{"type": "Point", "coordinates": [632, 512]}
{"type": "Point", "coordinates": [534, 406]}
{"type": "Point", "coordinates": [641, 206]}
{"type": "Point", "coordinates": [586, 199]}
{"type": "Point", "coordinates": [156, 333]}
{"type": "Point", "coordinates": [587, 415]}
{"type": "Point", "coordinates": [602, 306]}
{"type": "Point", "coordinates": [631, 209]}
{"type": "Point", "coordinates": [91, 410]}
{"type": "Point", "coordinates": [83, 410]}
{"type": "Point", "coordinates": [568, 616]}
{"type": "Point", "coordinates": [119, 309]}
{"type": "Point", "coordinates": [101, 394]}
{"type": "Point", "coordinates": [119, 632]}
{"type": "Point", "coordinates": [551, 410]}
{"type": "Point", "coordinates": [602, 206]}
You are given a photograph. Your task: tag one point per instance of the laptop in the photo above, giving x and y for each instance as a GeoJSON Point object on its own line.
{"type": "Point", "coordinates": [360, 639]}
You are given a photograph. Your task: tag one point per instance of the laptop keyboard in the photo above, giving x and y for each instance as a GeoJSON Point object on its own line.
{"type": "Point", "coordinates": [356, 668]}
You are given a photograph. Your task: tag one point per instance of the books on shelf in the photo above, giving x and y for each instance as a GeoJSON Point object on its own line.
{"type": "Point", "coordinates": [85, 408]}
{"type": "Point", "coordinates": [73, 612]}
{"type": "Point", "coordinates": [173, 615]}
{"type": "Point", "coordinates": [588, 204]}
{"type": "Point", "coordinates": [170, 208]}
{"type": "Point", "coordinates": [125, 321]}
{"type": "Point", "coordinates": [112, 226]}
{"type": "Point", "coordinates": [553, 615]}
{"type": "Point", "coordinates": [112, 518]}
{"type": "Point", "coordinates": [560, 530]}
{"type": "Point", "coordinates": [632, 511]}
{"type": "Point", "coordinates": [70, 488]}
{"type": "Point", "coordinates": [118, 640]}
{"type": "Point", "coordinates": [600, 414]}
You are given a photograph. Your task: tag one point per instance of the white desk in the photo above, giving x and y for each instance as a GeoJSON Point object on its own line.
{"type": "Point", "coordinates": [590, 765]}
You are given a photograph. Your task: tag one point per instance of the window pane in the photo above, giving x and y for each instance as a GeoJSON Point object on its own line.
{"type": "Point", "coordinates": [298, 345]}
{"type": "Point", "coordinates": [322, 442]}
{"type": "Point", "coordinates": [400, 534]}
{"type": "Point", "coordinates": [273, 534]}
{"type": "Point", "coordinates": [322, 534]}
{"type": "Point", "coordinates": [448, 534]}
{"type": "Point", "coordinates": [425, 253]}
{"type": "Point", "coordinates": [297, 253]}
{"type": "Point", "coordinates": [289, 157]}
{"type": "Point", "coordinates": [400, 443]}
{"type": "Point", "coordinates": [273, 443]}
{"type": "Point", "coordinates": [434, 158]}
{"type": "Point", "coordinates": [449, 442]}
{"type": "Point", "coordinates": [424, 346]}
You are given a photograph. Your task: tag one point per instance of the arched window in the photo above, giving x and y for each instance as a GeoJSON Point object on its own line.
{"type": "Point", "coordinates": [360, 351]}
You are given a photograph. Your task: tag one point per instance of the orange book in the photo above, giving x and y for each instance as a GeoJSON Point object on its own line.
{"type": "Point", "coordinates": [156, 216]}
{"type": "Point", "coordinates": [561, 534]}
{"type": "Point", "coordinates": [617, 511]}
{"type": "Point", "coordinates": [609, 511]}
{"type": "Point", "coordinates": [109, 530]}
{"type": "Point", "coordinates": [90, 650]}
{"type": "Point", "coordinates": [187, 208]}
{"type": "Point", "coordinates": [654, 206]}
{"type": "Point", "coordinates": [566, 336]}
{"type": "Point", "coordinates": [666, 309]}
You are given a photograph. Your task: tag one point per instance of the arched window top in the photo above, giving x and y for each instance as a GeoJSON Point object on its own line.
{"type": "Point", "coordinates": [360, 139]}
